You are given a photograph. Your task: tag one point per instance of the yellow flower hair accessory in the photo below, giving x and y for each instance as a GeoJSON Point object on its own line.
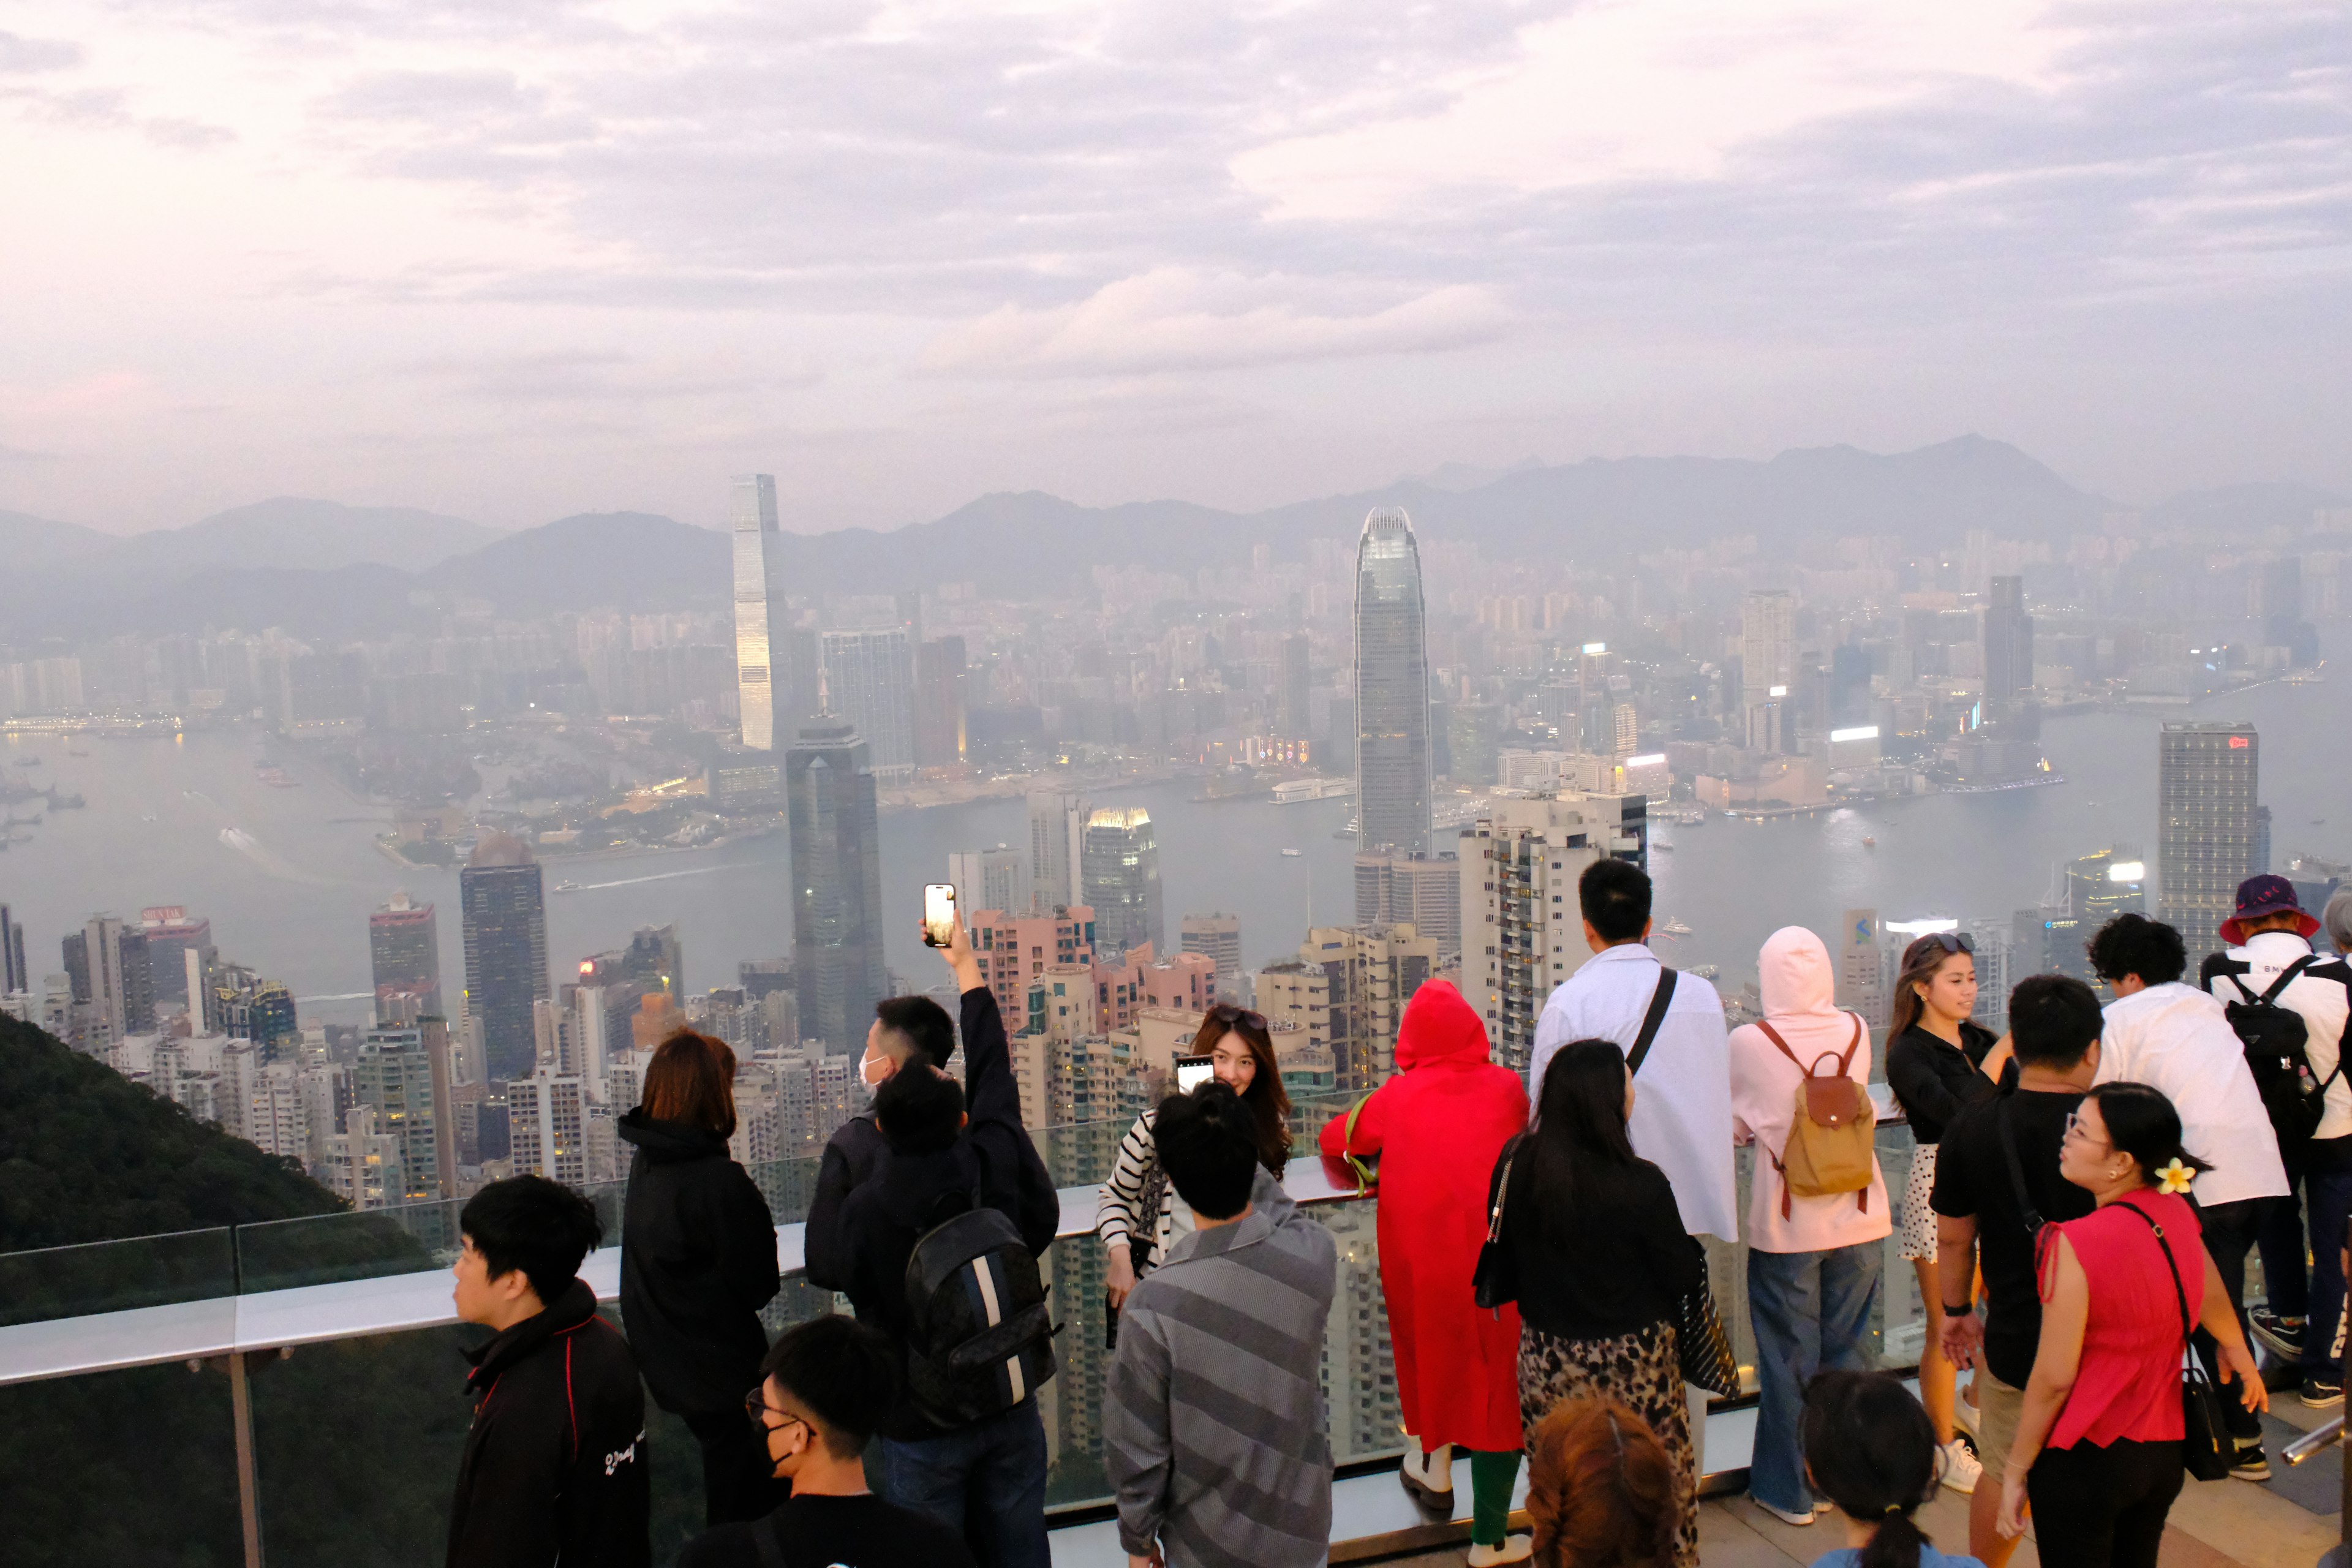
{"type": "Point", "coordinates": [2175, 1177]}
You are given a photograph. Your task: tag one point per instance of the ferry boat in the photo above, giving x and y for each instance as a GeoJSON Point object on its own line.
{"type": "Point", "coordinates": [567, 887]}
{"type": "Point", "coordinates": [1673, 927]}
{"type": "Point", "coordinates": [1292, 853]}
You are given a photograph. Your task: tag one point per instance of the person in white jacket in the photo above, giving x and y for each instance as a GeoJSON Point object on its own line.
{"type": "Point", "coordinates": [2176, 1039]}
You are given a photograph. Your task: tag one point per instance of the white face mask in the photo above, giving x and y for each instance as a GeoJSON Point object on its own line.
{"type": "Point", "coordinates": [865, 1078]}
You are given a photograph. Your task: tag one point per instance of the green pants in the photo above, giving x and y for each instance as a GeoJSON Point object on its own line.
{"type": "Point", "coordinates": [1492, 1476]}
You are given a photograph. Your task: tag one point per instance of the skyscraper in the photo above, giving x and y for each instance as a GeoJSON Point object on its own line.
{"type": "Point", "coordinates": [14, 974]}
{"type": "Point", "coordinates": [1217, 938]}
{"type": "Point", "coordinates": [940, 703]}
{"type": "Point", "coordinates": [397, 1075]}
{"type": "Point", "coordinates": [1120, 867]}
{"type": "Point", "coordinates": [504, 907]}
{"type": "Point", "coordinates": [2007, 640]}
{"type": "Point", "coordinates": [836, 884]}
{"type": "Point", "coordinates": [404, 947]}
{"type": "Point", "coordinates": [1057, 825]}
{"type": "Point", "coordinates": [1767, 667]}
{"type": "Point", "coordinates": [113, 985]}
{"type": "Point", "coordinates": [989, 880]}
{"type": "Point", "coordinates": [1393, 740]}
{"type": "Point", "coordinates": [171, 935]}
{"type": "Point", "coordinates": [764, 676]}
{"type": "Point", "coordinates": [2207, 776]}
{"type": "Point", "coordinates": [869, 680]}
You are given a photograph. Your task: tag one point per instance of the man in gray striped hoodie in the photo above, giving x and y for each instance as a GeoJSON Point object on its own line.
{"type": "Point", "coordinates": [1214, 1429]}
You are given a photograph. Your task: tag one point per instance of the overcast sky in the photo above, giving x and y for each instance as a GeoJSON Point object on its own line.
{"type": "Point", "coordinates": [515, 258]}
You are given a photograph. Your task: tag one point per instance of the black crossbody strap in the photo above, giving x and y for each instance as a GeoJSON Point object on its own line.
{"type": "Point", "coordinates": [2179, 1295]}
{"type": "Point", "coordinates": [2286, 975]}
{"type": "Point", "coordinates": [1660, 1000]}
{"type": "Point", "coordinates": [2031, 1215]}
{"type": "Point", "coordinates": [1503, 1188]}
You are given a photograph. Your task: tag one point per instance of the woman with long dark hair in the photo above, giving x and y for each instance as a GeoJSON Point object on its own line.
{"type": "Point", "coordinates": [1593, 1239]}
{"type": "Point", "coordinates": [2098, 1445]}
{"type": "Point", "coordinates": [1137, 1216]}
{"type": "Point", "coordinates": [1936, 1061]}
{"type": "Point", "coordinates": [1870, 1449]}
{"type": "Point", "coordinates": [698, 1262]}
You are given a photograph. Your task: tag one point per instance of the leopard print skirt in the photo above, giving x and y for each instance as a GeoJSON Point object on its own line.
{"type": "Point", "coordinates": [1641, 1371]}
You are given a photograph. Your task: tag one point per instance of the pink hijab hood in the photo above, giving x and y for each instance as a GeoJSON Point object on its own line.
{"type": "Point", "coordinates": [1800, 989]}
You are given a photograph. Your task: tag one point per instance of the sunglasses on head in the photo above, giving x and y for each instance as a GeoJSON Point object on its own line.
{"type": "Point", "coordinates": [1225, 1013]}
{"type": "Point", "coordinates": [1951, 941]}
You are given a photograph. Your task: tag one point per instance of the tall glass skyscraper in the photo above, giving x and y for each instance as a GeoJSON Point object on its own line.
{"type": "Point", "coordinates": [2208, 788]}
{"type": "Point", "coordinates": [1392, 762]}
{"type": "Point", "coordinates": [504, 906]}
{"type": "Point", "coordinates": [836, 884]}
{"type": "Point", "coordinates": [1120, 866]}
{"type": "Point", "coordinates": [869, 680]}
{"type": "Point", "coordinates": [763, 646]}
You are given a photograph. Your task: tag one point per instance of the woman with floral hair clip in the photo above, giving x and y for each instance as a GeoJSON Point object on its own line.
{"type": "Point", "coordinates": [2099, 1449]}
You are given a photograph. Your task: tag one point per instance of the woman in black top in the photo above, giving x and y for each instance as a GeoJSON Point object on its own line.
{"type": "Point", "coordinates": [1602, 1262]}
{"type": "Point", "coordinates": [698, 1262]}
{"type": "Point", "coordinates": [1935, 1064]}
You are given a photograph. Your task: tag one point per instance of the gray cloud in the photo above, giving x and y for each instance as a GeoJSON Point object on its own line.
{"type": "Point", "coordinates": [22, 55]}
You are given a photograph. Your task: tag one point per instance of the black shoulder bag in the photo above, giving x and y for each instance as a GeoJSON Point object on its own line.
{"type": "Point", "coordinates": [2207, 1450]}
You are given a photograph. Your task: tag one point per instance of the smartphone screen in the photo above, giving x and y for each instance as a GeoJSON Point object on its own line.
{"type": "Point", "coordinates": [1191, 1072]}
{"type": "Point", "coordinates": [939, 913]}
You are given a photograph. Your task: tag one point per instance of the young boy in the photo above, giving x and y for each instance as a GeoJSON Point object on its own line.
{"type": "Point", "coordinates": [555, 1467]}
{"type": "Point", "coordinates": [824, 1387]}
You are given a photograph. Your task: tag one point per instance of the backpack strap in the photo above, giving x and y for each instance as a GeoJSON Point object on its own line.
{"type": "Point", "coordinates": [1660, 1000]}
{"type": "Point", "coordinates": [2286, 978]}
{"type": "Point", "coordinates": [1845, 1065]}
{"type": "Point", "coordinates": [2026, 1211]}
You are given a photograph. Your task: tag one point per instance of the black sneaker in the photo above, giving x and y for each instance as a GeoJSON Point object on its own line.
{"type": "Point", "coordinates": [2321, 1390]}
{"type": "Point", "coordinates": [2283, 1336]}
{"type": "Point", "coordinates": [2251, 1465]}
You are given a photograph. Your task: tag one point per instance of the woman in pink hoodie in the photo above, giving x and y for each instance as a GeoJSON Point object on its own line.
{"type": "Point", "coordinates": [1815, 1267]}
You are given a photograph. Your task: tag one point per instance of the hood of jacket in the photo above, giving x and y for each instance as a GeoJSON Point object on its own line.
{"type": "Point", "coordinates": [574, 1305]}
{"type": "Point", "coordinates": [1439, 1025]}
{"type": "Point", "coordinates": [1794, 975]}
{"type": "Point", "coordinates": [667, 1140]}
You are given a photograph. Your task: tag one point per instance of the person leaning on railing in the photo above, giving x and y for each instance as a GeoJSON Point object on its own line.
{"type": "Point", "coordinates": [1593, 1240]}
{"type": "Point", "coordinates": [1137, 1216]}
{"type": "Point", "coordinates": [698, 1262]}
{"type": "Point", "coordinates": [2098, 1445]}
{"type": "Point", "coordinates": [1437, 1128]}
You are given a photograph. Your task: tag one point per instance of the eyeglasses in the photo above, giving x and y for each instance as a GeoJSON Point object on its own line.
{"type": "Point", "coordinates": [756, 1407]}
{"type": "Point", "coordinates": [1227, 1014]}
{"type": "Point", "coordinates": [2074, 1124]}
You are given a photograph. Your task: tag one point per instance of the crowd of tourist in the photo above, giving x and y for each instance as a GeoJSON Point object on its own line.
{"type": "Point", "coordinates": [2082, 1200]}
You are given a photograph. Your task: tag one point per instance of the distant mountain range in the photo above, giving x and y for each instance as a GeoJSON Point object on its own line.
{"type": "Point", "coordinates": [323, 570]}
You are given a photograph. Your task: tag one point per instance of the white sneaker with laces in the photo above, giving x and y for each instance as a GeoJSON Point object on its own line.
{"type": "Point", "coordinates": [1515, 1549]}
{"type": "Point", "coordinates": [1961, 1468]}
{"type": "Point", "coordinates": [1782, 1514]}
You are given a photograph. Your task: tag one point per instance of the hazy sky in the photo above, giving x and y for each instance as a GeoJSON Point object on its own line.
{"type": "Point", "coordinates": [514, 258]}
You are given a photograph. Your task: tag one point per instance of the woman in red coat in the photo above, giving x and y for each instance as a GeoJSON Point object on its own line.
{"type": "Point", "coordinates": [1438, 1127]}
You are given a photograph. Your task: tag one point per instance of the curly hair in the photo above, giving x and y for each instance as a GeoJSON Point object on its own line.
{"type": "Point", "coordinates": [1600, 1489]}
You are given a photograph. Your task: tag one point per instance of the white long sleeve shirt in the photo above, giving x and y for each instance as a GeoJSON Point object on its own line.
{"type": "Point", "coordinates": [1681, 1096]}
{"type": "Point", "coordinates": [2322, 1002]}
{"type": "Point", "coordinates": [2176, 1039]}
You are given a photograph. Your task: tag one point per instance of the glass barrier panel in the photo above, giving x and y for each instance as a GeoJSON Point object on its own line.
{"type": "Point", "coordinates": [368, 1244]}
{"type": "Point", "coordinates": [137, 1465]}
{"type": "Point", "coordinates": [115, 1275]}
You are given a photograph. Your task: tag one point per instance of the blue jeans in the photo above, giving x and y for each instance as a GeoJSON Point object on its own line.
{"type": "Point", "coordinates": [987, 1480]}
{"type": "Point", "coordinates": [1811, 1310]}
{"type": "Point", "coordinates": [2327, 1199]}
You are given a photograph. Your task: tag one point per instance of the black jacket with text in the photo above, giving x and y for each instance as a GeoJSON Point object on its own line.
{"type": "Point", "coordinates": [555, 1468]}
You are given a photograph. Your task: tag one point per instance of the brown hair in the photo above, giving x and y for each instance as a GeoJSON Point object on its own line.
{"type": "Point", "coordinates": [1268, 1100]}
{"type": "Point", "coordinates": [1920, 961]}
{"type": "Point", "coordinates": [692, 1079]}
{"type": "Point", "coordinates": [1600, 1489]}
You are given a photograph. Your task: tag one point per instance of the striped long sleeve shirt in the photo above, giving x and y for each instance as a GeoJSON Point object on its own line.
{"type": "Point", "coordinates": [1215, 1428]}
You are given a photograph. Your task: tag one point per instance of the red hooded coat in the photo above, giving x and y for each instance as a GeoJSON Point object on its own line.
{"type": "Point", "coordinates": [1438, 1126]}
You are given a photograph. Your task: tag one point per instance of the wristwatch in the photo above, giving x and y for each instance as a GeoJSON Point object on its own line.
{"type": "Point", "coordinates": [1964, 1311]}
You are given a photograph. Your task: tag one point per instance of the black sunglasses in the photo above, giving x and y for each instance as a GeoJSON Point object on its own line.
{"type": "Point", "coordinates": [1227, 1014]}
{"type": "Point", "coordinates": [1951, 940]}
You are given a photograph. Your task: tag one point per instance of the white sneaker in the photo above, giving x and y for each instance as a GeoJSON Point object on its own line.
{"type": "Point", "coordinates": [1515, 1549]}
{"type": "Point", "coordinates": [1966, 1414]}
{"type": "Point", "coordinates": [1782, 1514]}
{"type": "Point", "coordinates": [1961, 1469]}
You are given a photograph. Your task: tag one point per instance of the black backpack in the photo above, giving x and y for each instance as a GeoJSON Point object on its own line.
{"type": "Point", "coordinates": [2275, 1041]}
{"type": "Point", "coordinates": [981, 1338]}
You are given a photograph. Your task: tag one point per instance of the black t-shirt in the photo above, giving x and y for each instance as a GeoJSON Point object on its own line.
{"type": "Point", "coordinates": [821, 1532]}
{"type": "Point", "coordinates": [1972, 1179]}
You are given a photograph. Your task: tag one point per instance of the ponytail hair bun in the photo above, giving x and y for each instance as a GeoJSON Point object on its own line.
{"type": "Point", "coordinates": [2142, 1122]}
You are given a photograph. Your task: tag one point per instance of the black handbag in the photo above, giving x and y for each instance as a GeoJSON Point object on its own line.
{"type": "Point", "coordinates": [1495, 1280]}
{"type": "Point", "coordinates": [1701, 1345]}
{"type": "Point", "coordinates": [2207, 1450]}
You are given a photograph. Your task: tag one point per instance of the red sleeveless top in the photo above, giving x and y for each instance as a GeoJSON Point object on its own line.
{"type": "Point", "coordinates": [2128, 1384]}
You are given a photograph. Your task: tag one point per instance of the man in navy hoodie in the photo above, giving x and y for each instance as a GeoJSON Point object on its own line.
{"type": "Point", "coordinates": [555, 1468]}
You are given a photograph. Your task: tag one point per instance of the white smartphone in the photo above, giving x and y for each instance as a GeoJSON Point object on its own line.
{"type": "Point", "coordinates": [939, 913]}
{"type": "Point", "coordinates": [1191, 1072]}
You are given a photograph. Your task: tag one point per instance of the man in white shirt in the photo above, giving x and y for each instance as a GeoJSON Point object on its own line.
{"type": "Point", "coordinates": [1682, 1092]}
{"type": "Point", "coordinates": [2269, 935]}
{"type": "Point", "coordinates": [2176, 1039]}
